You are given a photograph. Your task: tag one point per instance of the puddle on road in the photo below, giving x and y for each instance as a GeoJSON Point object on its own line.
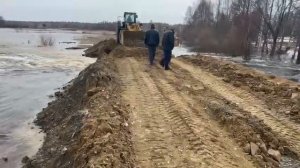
{"type": "Point", "coordinates": [288, 162]}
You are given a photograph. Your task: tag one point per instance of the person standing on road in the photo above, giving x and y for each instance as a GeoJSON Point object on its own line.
{"type": "Point", "coordinates": [168, 45]}
{"type": "Point", "coordinates": [152, 41]}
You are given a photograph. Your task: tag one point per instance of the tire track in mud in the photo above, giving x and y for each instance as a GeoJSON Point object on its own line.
{"type": "Point", "coordinates": [243, 100]}
{"type": "Point", "coordinates": [153, 141]}
{"type": "Point", "coordinates": [166, 130]}
{"type": "Point", "coordinates": [214, 140]}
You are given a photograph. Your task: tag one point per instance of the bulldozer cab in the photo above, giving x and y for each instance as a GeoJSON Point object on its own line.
{"type": "Point", "coordinates": [130, 17]}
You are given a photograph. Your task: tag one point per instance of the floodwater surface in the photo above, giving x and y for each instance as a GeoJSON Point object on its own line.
{"type": "Point", "coordinates": [30, 73]}
{"type": "Point", "coordinates": [284, 68]}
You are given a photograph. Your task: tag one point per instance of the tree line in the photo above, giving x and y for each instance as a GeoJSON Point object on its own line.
{"type": "Point", "coordinates": [239, 27]}
{"type": "Point", "coordinates": [110, 26]}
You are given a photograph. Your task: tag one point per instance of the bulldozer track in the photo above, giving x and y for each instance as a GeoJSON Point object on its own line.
{"type": "Point", "coordinates": [170, 129]}
{"type": "Point", "coordinates": [246, 102]}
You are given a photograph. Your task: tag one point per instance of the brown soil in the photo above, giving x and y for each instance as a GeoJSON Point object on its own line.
{"type": "Point", "coordinates": [120, 112]}
{"type": "Point", "coordinates": [101, 48]}
{"type": "Point", "coordinates": [282, 96]}
{"type": "Point", "coordinates": [87, 126]}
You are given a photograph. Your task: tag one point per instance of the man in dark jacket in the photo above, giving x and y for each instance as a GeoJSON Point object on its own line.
{"type": "Point", "coordinates": [168, 45]}
{"type": "Point", "coordinates": [152, 41]}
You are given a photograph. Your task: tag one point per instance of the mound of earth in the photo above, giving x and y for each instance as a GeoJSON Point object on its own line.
{"type": "Point", "coordinates": [87, 125]}
{"type": "Point", "coordinates": [101, 48]}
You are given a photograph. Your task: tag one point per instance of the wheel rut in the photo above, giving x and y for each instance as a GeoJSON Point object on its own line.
{"type": "Point", "coordinates": [245, 101]}
{"type": "Point", "coordinates": [168, 130]}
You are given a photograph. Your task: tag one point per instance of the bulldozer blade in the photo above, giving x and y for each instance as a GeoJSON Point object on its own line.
{"type": "Point", "coordinates": [132, 38]}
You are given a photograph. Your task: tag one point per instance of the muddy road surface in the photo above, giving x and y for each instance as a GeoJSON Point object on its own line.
{"type": "Point", "coordinates": [167, 130]}
{"type": "Point", "coordinates": [192, 116]}
{"type": "Point", "coordinates": [189, 118]}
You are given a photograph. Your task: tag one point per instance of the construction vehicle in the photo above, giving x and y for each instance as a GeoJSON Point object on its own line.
{"type": "Point", "coordinates": [129, 32]}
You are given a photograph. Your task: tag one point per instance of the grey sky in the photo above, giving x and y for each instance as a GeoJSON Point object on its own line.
{"type": "Point", "coordinates": [170, 11]}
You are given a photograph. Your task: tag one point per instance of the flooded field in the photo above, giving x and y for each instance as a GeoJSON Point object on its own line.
{"type": "Point", "coordinates": [29, 73]}
{"type": "Point", "coordinates": [284, 68]}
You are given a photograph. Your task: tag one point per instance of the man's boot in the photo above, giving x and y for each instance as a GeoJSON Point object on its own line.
{"type": "Point", "coordinates": [161, 62]}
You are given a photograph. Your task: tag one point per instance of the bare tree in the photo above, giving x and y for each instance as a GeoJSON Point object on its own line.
{"type": "Point", "coordinates": [298, 57]}
{"type": "Point", "coordinates": [232, 26]}
{"type": "Point", "coordinates": [296, 34]}
{"type": "Point", "coordinates": [2, 21]}
{"type": "Point", "coordinates": [247, 24]}
{"type": "Point", "coordinates": [267, 13]}
{"type": "Point", "coordinates": [285, 21]}
{"type": "Point", "coordinates": [218, 10]}
{"type": "Point", "coordinates": [274, 20]}
{"type": "Point", "coordinates": [203, 14]}
{"type": "Point", "coordinates": [189, 15]}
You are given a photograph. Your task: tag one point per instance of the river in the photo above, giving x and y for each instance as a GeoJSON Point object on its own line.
{"type": "Point", "coordinates": [30, 73]}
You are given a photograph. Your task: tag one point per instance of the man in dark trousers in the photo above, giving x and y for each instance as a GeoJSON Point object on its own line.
{"type": "Point", "coordinates": [152, 41]}
{"type": "Point", "coordinates": [168, 45]}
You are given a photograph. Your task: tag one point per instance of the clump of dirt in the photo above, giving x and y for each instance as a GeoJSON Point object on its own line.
{"type": "Point", "coordinates": [101, 48]}
{"type": "Point", "coordinates": [87, 125]}
{"type": "Point", "coordinates": [283, 97]}
{"type": "Point", "coordinates": [251, 134]}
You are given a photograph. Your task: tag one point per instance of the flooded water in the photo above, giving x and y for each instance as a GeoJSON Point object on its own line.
{"type": "Point", "coordinates": [182, 50]}
{"type": "Point", "coordinates": [284, 68]}
{"type": "Point", "coordinates": [28, 75]}
{"type": "Point", "coordinates": [287, 162]}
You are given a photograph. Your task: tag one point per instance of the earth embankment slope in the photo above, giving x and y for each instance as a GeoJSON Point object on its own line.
{"type": "Point", "coordinates": [87, 125]}
{"type": "Point", "coordinates": [120, 112]}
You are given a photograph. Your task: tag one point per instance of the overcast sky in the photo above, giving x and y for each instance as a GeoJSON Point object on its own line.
{"type": "Point", "coordinates": [169, 11]}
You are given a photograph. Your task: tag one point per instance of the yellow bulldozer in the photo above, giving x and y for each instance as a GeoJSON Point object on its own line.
{"type": "Point", "coordinates": [129, 32]}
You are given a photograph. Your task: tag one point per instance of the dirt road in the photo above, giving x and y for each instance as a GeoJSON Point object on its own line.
{"type": "Point", "coordinates": [168, 130]}
{"type": "Point", "coordinates": [189, 118]}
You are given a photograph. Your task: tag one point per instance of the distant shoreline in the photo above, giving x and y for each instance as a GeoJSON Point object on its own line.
{"type": "Point", "coordinates": [110, 26]}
